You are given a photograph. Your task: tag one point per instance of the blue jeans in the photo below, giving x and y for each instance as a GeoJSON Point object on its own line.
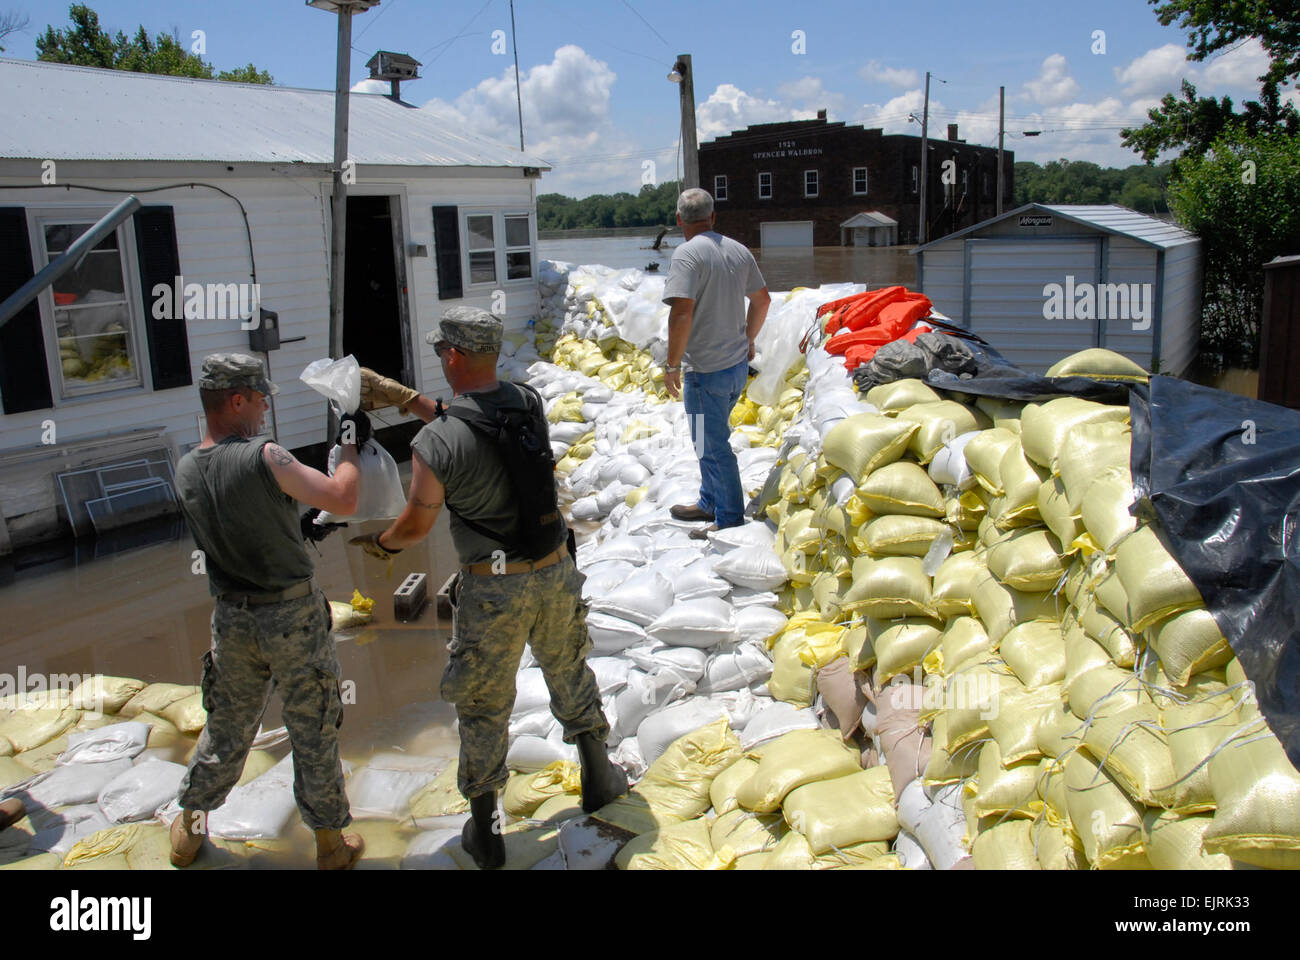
{"type": "Point", "coordinates": [709, 399]}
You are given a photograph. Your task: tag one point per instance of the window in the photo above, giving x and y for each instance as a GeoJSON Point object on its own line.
{"type": "Point", "coordinates": [810, 183]}
{"type": "Point", "coordinates": [965, 181]}
{"type": "Point", "coordinates": [915, 179]}
{"type": "Point", "coordinates": [859, 180]}
{"type": "Point", "coordinates": [765, 186]}
{"type": "Point", "coordinates": [519, 248]}
{"type": "Point", "coordinates": [720, 188]}
{"type": "Point", "coordinates": [482, 248]}
{"type": "Point", "coordinates": [92, 324]}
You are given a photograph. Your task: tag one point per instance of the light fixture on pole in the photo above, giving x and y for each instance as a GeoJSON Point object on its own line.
{"type": "Point", "coordinates": [683, 74]}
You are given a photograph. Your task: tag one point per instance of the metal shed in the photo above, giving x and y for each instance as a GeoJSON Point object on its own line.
{"type": "Point", "coordinates": [871, 228]}
{"type": "Point", "coordinates": [1044, 281]}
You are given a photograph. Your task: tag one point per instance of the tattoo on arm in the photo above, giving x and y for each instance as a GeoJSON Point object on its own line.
{"type": "Point", "coordinates": [279, 456]}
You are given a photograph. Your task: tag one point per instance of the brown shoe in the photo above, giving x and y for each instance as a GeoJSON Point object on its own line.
{"type": "Point", "coordinates": [702, 533]}
{"type": "Point", "coordinates": [690, 511]}
{"type": "Point", "coordinates": [187, 838]}
{"type": "Point", "coordinates": [11, 811]}
{"type": "Point", "coordinates": [336, 850]}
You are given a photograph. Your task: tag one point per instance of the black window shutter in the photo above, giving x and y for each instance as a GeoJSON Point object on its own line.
{"type": "Point", "coordinates": [446, 241]}
{"type": "Point", "coordinates": [24, 374]}
{"type": "Point", "coordinates": [169, 347]}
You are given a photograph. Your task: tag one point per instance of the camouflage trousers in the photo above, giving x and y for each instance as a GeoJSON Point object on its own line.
{"type": "Point", "coordinates": [492, 618]}
{"type": "Point", "coordinates": [255, 650]}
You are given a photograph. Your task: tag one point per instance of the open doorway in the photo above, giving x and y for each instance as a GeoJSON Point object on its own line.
{"type": "Point", "coordinates": [375, 327]}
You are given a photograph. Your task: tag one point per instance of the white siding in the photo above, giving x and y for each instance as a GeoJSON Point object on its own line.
{"type": "Point", "coordinates": [942, 273]}
{"type": "Point", "coordinates": [1131, 262]}
{"type": "Point", "coordinates": [1181, 321]}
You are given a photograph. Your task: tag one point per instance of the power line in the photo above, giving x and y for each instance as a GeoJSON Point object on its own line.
{"type": "Point", "coordinates": [459, 34]}
{"type": "Point", "coordinates": [391, 4]}
{"type": "Point", "coordinates": [647, 23]}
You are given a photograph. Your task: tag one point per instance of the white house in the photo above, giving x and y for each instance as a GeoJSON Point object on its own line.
{"type": "Point", "coordinates": [1046, 280]}
{"type": "Point", "coordinates": [235, 180]}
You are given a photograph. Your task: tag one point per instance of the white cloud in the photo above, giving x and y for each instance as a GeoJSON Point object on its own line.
{"type": "Point", "coordinates": [892, 116]}
{"type": "Point", "coordinates": [1053, 84]}
{"type": "Point", "coordinates": [1156, 72]}
{"type": "Point", "coordinates": [809, 92]}
{"type": "Point", "coordinates": [371, 86]}
{"type": "Point", "coordinates": [1239, 68]}
{"type": "Point", "coordinates": [875, 72]}
{"type": "Point", "coordinates": [730, 108]}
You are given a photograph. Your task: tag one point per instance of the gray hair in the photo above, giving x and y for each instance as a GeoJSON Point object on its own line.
{"type": "Point", "coordinates": [695, 206]}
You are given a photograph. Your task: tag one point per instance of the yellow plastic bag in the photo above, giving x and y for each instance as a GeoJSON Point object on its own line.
{"type": "Point", "coordinates": [440, 797]}
{"type": "Point", "coordinates": [1014, 724]}
{"type": "Point", "coordinates": [1100, 364]}
{"type": "Point", "coordinates": [1257, 800]}
{"type": "Point", "coordinates": [187, 715]}
{"type": "Point", "coordinates": [984, 453]}
{"type": "Point", "coordinates": [861, 443]}
{"type": "Point", "coordinates": [1088, 450]}
{"type": "Point", "coordinates": [747, 833]}
{"type": "Point", "coordinates": [1008, 845]}
{"type": "Point", "coordinates": [1036, 652]}
{"type": "Point", "coordinates": [155, 698]}
{"type": "Point", "coordinates": [792, 760]}
{"type": "Point", "coordinates": [1001, 607]}
{"type": "Point", "coordinates": [1107, 821]}
{"type": "Point", "coordinates": [900, 394]}
{"type": "Point", "coordinates": [524, 793]}
{"type": "Point", "coordinates": [679, 846]}
{"type": "Point", "coordinates": [954, 583]}
{"type": "Point", "coordinates": [1058, 516]}
{"type": "Point", "coordinates": [1132, 747]}
{"type": "Point", "coordinates": [857, 808]}
{"type": "Point", "coordinates": [1189, 643]}
{"type": "Point", "coordinates": [1030, 560]}
{"type": "Point", "coordinates": [899, 536]}
{"type": "Point", "coordinates": [1044, 426]}
{"type": "Point", "coordinates": [940, 422]}
{"type": "Point", "coordinates": [963, 640]}
{"type": "Point", "coordinates": [105, 694]}
{"type": "Point", "coordinates": [800, 650]}
{"type": "Point", "coordinates": [887, 588]}
{"type": "Point", "coordinates": [900, 645]}
{"type": "Point", "coordinates": [1156, 586]}
{"type": "Point", "coordinates": [901, 488]}
{"type": "Point", "coordinates": [722, 792]}
{"type": "Point", "coordinates": [1010, 789]}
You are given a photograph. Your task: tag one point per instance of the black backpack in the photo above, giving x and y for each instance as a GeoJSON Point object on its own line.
{"type": "Point", "coordinates": [522, 441]}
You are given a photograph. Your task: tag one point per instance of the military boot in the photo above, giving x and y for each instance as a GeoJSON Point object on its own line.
{"type": "Point", "coordinates": [481, 836]}
{"type": "Point", "coordinates": [602, 781]}
{"type": "Point", "coordinates": [187, 833]}
{"type": "Point", "coordinates": [11, 811]}
{"type": "Point", "coordinates": [336, 850]}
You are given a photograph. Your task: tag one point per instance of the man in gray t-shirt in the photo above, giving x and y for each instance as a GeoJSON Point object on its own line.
{"type": "Point", "coordinates": [710, 331]}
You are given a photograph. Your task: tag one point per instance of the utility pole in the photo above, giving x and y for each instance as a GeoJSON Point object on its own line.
{"type": "Point", "coordinates": [925, 155]}
{"type": "Point", "coordinates": [1002, 116]}
{"type": "Point", "coordinates": [519, 97]}
{"type": "Point", "coordinates": [339, 197]}
{"type": "Point", "coordinates": [690, 143]}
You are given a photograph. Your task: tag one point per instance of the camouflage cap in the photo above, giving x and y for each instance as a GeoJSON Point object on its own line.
{"type": "Point", "coordinates": [469, 329]}
{"type": "Point", "coordinates": [222, 371]}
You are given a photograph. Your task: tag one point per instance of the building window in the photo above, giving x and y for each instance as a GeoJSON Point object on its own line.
{"type": "Point", "coordinates": [720, 188]}
{"type": "Point", "coordinates": [92, 319]}
{"type": "Point", "coordinates": [965, 181]}
{"type": "Point", "coordinates": [859, 181]}
{"type": "Point", "coordinates": [519, 247]}
{"type": "Point", "coordinates": [810, 183]}
{"type": "Point", "coordinates": [915, 178]}
{"type": "Point", "coordinates": [984, 184]}
{"type": "Point", "coordinates": [482, 248]}
{"type": "Point", "coordinates": [765, 186]}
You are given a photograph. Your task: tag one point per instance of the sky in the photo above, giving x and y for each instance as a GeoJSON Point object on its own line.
{"type": "Point", "coordinates": [597, 104]}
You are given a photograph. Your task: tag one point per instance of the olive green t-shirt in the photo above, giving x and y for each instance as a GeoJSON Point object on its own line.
{"type": "Point", "coordinates": [246, 526]}
{"type": "Point", "coordinates": [470, 469]}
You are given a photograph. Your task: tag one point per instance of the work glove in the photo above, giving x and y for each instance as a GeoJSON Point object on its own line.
{"type": "Point", "coordinates": [361, 429]}
{"type": "Point", "coordinates": [316, 532]}
{"type": "Point", "coordinates": [370, 544]}
{"type": "Point", "coordinates": [379, 391]}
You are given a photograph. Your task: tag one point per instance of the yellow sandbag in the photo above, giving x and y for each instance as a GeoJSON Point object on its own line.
{"type": "Point", "coordinates": [857, 647]}
{"type": "Point", "coordinates": [966, 510]}
{"type": "Point", "coordinates": [1001, 607]}
{"type": "Point", "coordinates": [984, 453]}
{"type": "Point", "coordinates": [890, 397]}
{"type": "Point", "coordinates": [792, 760]}
{"type": "Point", "coordinates": [900, 645]}
{"type": "Point", "coordinates": [1010, 789]}
{"type": "Point", "coordinates": [56, 699]}
{"type": "Point", "coordinates": [963, 639]}
{"type": "Point", "coordinates": [1105, 510]}
{"type": "Point", "coordinates": [1021, 481]}
{"type": "Point", "coordinates": [1057, 847]}
{"type": "Point", "coordinates": [524, 793]}
{"type": "Point", "coordinates": [1082, 652]}
{"type": "Point", "coordinates": [947, 767]}
{"type": "Point", "coordinates": [440, 797]}
{"type": "Point", "coordinates": [1014, 724]}
{"type": "Point", "coordinates": [857, 808]}
{"type": "Point", "coordinates": [971, 695]}
{"type": "Point", "coordinates": [1189, 643]}
{"type": "Point", "coordinates": [1101, 626]}
{"type": "Point", "coordinates": [1194, 730]}
{"type": "Point", "coordinates": [1108, 823]}
{"type": "Point", "coordinates": [1100, 364]}
{"type": "Point", "coordinates": [676, 787]}
{"type": "Point", "coordinates": [899, 536]}
{"type": "Point", "coordinates": [1132, 747]}
{"type": "Point", "coordinates": [747, 833]}
{"type": "Point", "coordinates": [1113, 597]}
{"type": "Point", "coordinates": [862, 443]}
{"type": "Point", "coordinates": [567, 409]}
{"type": "Point", "coordinates": [111, 841]}
{"type": "Point", "coordinates": [1044, 426]}
{"type": "Point", "coordinates": [1055, 510]}
{"type": "Point", "coordinates": [940, 422]}
{"type": "Point", "coordinates": [801, 649]}
{"type": "Point", "coordinates": [679, 846]}
{"type": "Point", "coordinates": [1005, 414]}
{"type": "Point", "coordinates": [1006, 846]}
{"type": "Point", "coordinates": [1105, 691]}
{"type": "Point", "coordinates": [722, 791]}
{"type": "Point", "coordinates": [887, 588]}
{"type": "Point", "coordinates": [1088, 450]}
{"type": "Point", "coordinates": [1156, 586]}
{"type": "Point", "coordinates": [1173, 842]}
{"type": "Point", "coordinates": [1058, 731]}
{"type": "Point", "coordinates": [901, 487]}
{"type": "Point", "coordinates": [954, 584]}
{"type": "Point", "coordinates": [27, 729]}
{"type": "Point", "coordinates": [187, 715]}
{"type": "Point", "coordinates": [1031, 561]}
{"type": "Point", "coordinates": [1036, 652]}
{"type": "Point", "coordinates": [1257, 800]}
{"type": "Point", "coordinates": [566, 806]}
{"type": "Point", "coordinates": [156, 698]}
{"type": "Point", "coordinates": [791, 852]}
{"type": "Point", "coordinates": [105, 694]}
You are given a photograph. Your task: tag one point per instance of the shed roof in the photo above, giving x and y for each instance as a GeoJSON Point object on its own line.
{"type": "Point", "coordinates": [1108, 218]}
{"type": "Point", "coordinates": [61, 112]}
{"type": "Point", "coordinates": [869, 218]}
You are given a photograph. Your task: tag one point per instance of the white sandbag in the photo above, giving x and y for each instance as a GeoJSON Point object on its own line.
{"type": "Point", "coordinates": [942, 827]}
{"type": "Point", "coordinates": [380, 494]}
{"type": "Point", "coordinates": [912, 805]}
{"type": "Point", "coordinates": [611, 634]}
{"type": "Point", "coordinates": [530, 754]}
{"type": "Point", "coordinates": [949, 465]}
{"type": "Point", "coordinates": [428, 851]}
{"type": "Point", "coordinates": [745, 597]}
{"type": "Point", "coordinates": [538, 723]}
{"type": "Point", "coordinates": [686, 662]}
{"type": "Point", "coordinates": [736, 666]}
{"type": "Point", "coordinates": [777, 720]}
{"type": "Point", "coordinates": [628, 756]}
{"type": "Point", "coordinates": [759, 568]}
{"type": "Point", "coordinates": [910, 852]}
{"type": "Point", "coordinates": [745, 535]}
{"type": "Point", "coordinates": [57, 833]}
{"type": "Point", "coordinates": [117, 741]}
{"type": "Point", "coordinates": [741, 706]}
{"type": "Point", "coordinates": [703, 623]}
{"type": "Point", "coordinates": [260, 809]}
{"type": "Point", "coordinates": [65, 786]}
{"type": "Point", "coordinates": [612, 495]}
{"type": "Point", "coordinates": [135, 794]}
{"type": "Point", "coordinates": [384, 787]}
{"type": "Point", "coordinates": [643, 694]}
{"type": "Point", "coordinates": [758, 624]}
{"type": "Point", "coordinates": [585, 508]}
{"type": "Point", "coordinates": [697, 581]}
{"type": "Point", "coordinates": [531, 692]}
{"type": "Point", "coordinates": [642, 598]}
{"type": "Point", "coordinates": [661, 728]}
{"type": "Point", "coordinates": [611, 673]}
{"type": "Point", "coordinates": [568, 432]}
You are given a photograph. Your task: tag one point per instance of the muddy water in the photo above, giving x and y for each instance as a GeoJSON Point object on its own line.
{"type": "Point", "coordinates": [144, 613]}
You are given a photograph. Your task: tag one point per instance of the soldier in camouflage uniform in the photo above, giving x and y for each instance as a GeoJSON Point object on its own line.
{"type": "Point", "coordinates": [270, 624]}
{"type": "Point", "coordinates": [500, 599]}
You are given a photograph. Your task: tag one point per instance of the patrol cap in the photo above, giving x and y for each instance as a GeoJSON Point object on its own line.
{"type": "Point", "coordinates": [470, 329]}
{"type": "Point", "coordinates": [224, 371]}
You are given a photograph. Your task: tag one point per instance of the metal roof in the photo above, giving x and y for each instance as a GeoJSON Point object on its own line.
{"type": "Point", "coordinates": [869, 218]}
{"type": "Point", "coordinates": [59, 112]}
{"type": "Point", "coordinates": [1109, 218]}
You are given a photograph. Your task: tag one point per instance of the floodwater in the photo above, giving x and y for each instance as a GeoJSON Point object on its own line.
{"type": "Point", "coordinates": [784, 268]}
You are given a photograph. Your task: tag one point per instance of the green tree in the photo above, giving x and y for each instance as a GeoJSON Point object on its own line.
{"type": "Point", "coordinates": [11, 23]}
{"type": "Point", "coordinates": [1215, 25]}
{"type": "Point", "coordinates": [1242, 197]}
{"type": "Point", "coordinates": [87, 44]}
{"type": "Point", "coordinates": [1192, 123]}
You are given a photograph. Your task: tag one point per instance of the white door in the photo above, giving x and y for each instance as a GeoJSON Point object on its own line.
{"type": "Point", "coordinates": [787, 233]}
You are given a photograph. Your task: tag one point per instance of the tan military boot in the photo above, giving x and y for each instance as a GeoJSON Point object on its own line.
{"type": "Point", "coordinates": [337, 851]}
{"type": "Point", "coordinates": [187, 834]}
{"type": "Point", "coordinates": [11, 811]}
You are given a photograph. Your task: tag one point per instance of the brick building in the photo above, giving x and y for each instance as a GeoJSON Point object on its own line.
{"type": "Point", "coordinates": [812, 182]}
